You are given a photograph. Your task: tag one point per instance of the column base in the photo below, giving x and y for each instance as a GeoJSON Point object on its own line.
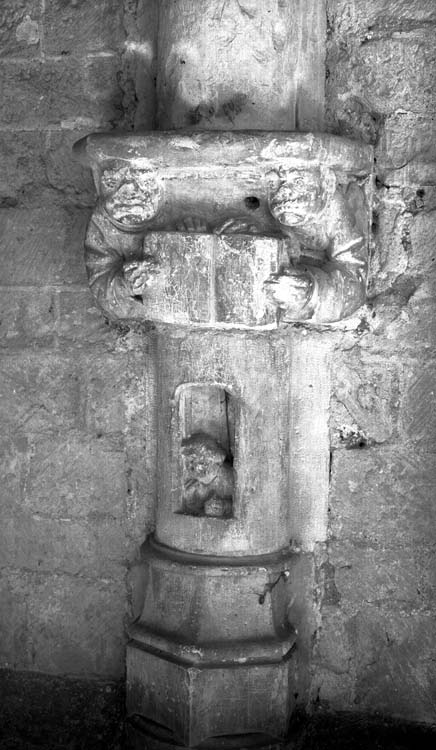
{"type": "Point", "coordinates": [210, 661]}
{"type": "Point", "coordinates": [146, 735]}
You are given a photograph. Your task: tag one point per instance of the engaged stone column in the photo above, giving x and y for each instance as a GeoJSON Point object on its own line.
{"type": "Point", "coordinates": [224, 238]}
{"type": "Point", "coordinates": [241, 64]}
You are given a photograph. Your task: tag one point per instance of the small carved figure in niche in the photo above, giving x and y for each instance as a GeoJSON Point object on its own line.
{"type": "Point", "coordinates": [131, 197]}
{"type": "Point", "coordinates": [207, 477]}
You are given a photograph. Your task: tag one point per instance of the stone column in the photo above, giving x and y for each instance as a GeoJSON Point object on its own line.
{"type": "Point", "coordinates": [224, 238]}
{"type": "Point", "coordinates": [243, 64]}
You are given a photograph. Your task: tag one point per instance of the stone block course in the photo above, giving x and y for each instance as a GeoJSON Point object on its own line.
{"type": "Point", "coordinates": [418, 414]}
{"type": "Point", "coordinates": [406, 136]}
{"type": "Point", "coordinates": [76, 27]}
{"type": "Point", "coordinates": [20, 28]}
{"type": "Point", "coordinates": [59, 711]}
{"type": "Point", "coordinates": [75, 476]}
{"type": "Point", "coordinates": [64, 173]}
{"type": "Point", "coordinates": [81, 323]}
{"type": "Point", "coordinates": [59, 624]}
{"type": "Point", "coordinates": [377, 64]}
{"type": "Point", "coordinates": [391, 236]}
{"type": "Point", "coordinates": [40, 393]}
{"type": "Point", "coordinates": [388, 577]}
{"type": "Point", "coordinates": [27, 318]}
{"type": "Point", "coordinates": [365, 398]}
{"type": "Point", "coordinates": [379, 646]}
{"type": "Point", "coordinates": [387, 645]}
{"type": "Point", "coordinates": [383, 498]}
{"type": "Point", "coordinates": [106, 385]}
{"type": "Point", "coordinates": [422, 258]}
{"type": "Point", "coordinates": [52, 92]}
{"type": "Point", "coordinates": [78, 444]}
{"type": "Point", "coordinates": [42, 246]}
{"type": "Point", "coordinates": [92, 547]}
{"type": "Point", "coordinates": [23, 169]}
{"type": "Point", "coordinates": [380, 16]}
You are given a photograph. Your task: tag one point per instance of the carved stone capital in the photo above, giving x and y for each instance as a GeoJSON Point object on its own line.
{"type": "Point", "coordinates": [228, 229]}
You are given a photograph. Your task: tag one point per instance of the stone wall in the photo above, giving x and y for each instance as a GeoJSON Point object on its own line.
{"type": "Point", "coordinates": [75, 443]}
{"type": "Point", "coordinates": [78, 435]}
{"type": "Point", "coordinates": [375, 646]}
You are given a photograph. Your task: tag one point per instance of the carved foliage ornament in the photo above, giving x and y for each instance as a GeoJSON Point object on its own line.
{"type": "Point", "coordinates": [228, 229]}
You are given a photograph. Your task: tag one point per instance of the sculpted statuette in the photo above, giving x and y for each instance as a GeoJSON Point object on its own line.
{"type": "Point", "coordinates": [287, 213]}
{"type": "Point", "coordinates": [207, 477]}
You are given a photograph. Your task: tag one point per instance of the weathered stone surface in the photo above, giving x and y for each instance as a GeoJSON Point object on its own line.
{"type": "Point", "coordinates": [20, 28]}
{"type": "Point", "coordinates": [391, 237]}
{"type": "Point", "coordinates": [106, 394]}
{"type": "Point", "coordinates": [386, 646]}
{"type": "Point", "coordinates": [364, 86]}
{"type": "Point", "coordinates": [23, 171]}
{"type": "Point", "coordinates": [89, 477]}
{"type": "Point", "coordinates": [73, 182]}
{"type": "Point", "coordinates": [406, 136]}
{"type": "Point", "coordinates": [197, 184]}
{"type": "Point", "coordinates": [59, 711]}
{"type": "Point", "coordinates": [378, 646]}
{"type": "Point", "coordinates": [77, 27]}
{"type": "Point", "coordinates": [414, 324]}
{"type": "Point", "coordinates": [422, 261]}
{"type": "Point", "coordinates": [418, 414]}
{"type": "Point", "coordinates": [241, 85]}
{"type": "Point", "coordinates": [365, 398]}
{"type": "Point", "coordinates": [380, 16]}
{"type": "Point", "coordinates": [405, 581]}
{"type": "Point", "coordinates": [27, 318]}
{"type": "Point", "coordinates": [42, 246]}
{"type": "Point", "coordinates": [383, 498]}
{"type": "Point", "coordinates": [55, 467]}
{"type": "Point", "coordinates": [80, 323]}
{"type": "Point", "coordinates": [59, 624]}
{"type": "Point", "coordinates": [95, 546]}
{"type": "Point", "coordinates": [40, 393]}
{"type": "Point", "coordinates": [41, 93]}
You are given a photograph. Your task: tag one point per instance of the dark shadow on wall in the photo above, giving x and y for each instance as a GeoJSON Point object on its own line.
{"type": "Point", "coordinates": [40, 712]}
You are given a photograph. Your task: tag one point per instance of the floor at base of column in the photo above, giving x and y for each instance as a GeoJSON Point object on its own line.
{"type": "Point", "coordinates": [146, 735]}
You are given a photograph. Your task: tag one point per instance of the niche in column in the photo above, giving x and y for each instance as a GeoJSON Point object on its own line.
{"type": "Point", "coordinates": [207, 446]}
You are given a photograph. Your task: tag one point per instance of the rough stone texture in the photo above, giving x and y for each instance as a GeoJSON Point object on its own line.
{"type": "Point", "coordinates": [20, 28]}
{"type": "Point", "coordinates": [75, 457]}
{"type": "Point", "coordinates": [76, 27]}
{"type": "Point", "coordinates": [78, 439]}
{"type": "Point", "coordinates": [277, 83]}
{"type": "Point", "coordinates": [53, 712]}
{"type": "Point", "coordinates": [374, 650]}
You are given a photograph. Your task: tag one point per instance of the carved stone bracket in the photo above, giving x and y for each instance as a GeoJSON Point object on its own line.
{"type": "Point", "coordinates": [228, 229]}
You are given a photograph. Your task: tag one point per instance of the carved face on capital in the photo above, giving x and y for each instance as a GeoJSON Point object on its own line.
{"type": "Point", "coordinates": [301, 195]}
{"type": "Point", "coordinates": [131, 197]}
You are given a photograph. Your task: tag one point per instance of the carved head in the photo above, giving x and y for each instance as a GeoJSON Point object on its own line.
{"type": "Point", "coordinates": [202, 455]}
{"type": "Point", "coordinates": [130, 196]}
{"type": "Point", "coordinates": [302, 195]}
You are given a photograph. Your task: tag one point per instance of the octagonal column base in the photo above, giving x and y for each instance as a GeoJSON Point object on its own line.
{"type": "Point", "coordinates": [211, 656]}
{"type": "Point", "coordinates": [146, 735]}
{"type": "Point", "coordinates": [212, 706]}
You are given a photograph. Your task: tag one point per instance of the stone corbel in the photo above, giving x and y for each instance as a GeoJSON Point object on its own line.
{"type": "Point", "coordinates": [248, 230]}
